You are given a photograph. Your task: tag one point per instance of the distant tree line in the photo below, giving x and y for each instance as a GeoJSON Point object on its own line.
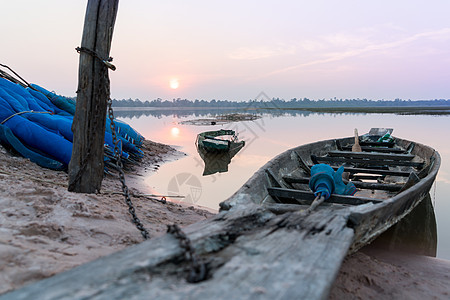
{"type": "Point", "coordinates": [277, 103]}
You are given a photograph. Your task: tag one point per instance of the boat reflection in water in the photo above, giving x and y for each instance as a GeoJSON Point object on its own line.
{"type": "Point", "coordinates": [217, 148]}
{"type": "Point", "coordinates": [415, 234]}
{"type": "Point", "coordinates": [218, 161]}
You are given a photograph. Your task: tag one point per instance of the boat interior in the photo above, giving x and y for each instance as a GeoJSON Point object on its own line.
{"type": "Point", "coordinates": [378, 169]}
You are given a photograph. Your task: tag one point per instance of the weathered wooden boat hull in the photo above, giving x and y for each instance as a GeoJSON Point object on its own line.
{"type": "Point", "coordinates": [369, 220]}
{"type": "Point", "coordinates": [255, 248]}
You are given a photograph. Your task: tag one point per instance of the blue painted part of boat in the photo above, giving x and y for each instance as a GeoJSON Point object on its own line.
{"type": "Point", "coordinates": [7, 137]}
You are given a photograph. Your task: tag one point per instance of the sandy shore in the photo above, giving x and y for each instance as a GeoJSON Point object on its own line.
{"type": "Point", "coordinates": [45, 230]}
{"type": "Point", "coordinates": [373, 273]}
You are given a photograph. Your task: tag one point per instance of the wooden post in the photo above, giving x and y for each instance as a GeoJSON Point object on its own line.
{"type": "Point", "coordinates": [86, 165]}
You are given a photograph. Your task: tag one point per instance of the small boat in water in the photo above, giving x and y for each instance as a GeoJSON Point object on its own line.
{"type": "Point", "coordinates": [270, 239]}
{"type": "Point", "coordinates": [218, 161]}
{"type": "Point", "coordinates": [218, 140]}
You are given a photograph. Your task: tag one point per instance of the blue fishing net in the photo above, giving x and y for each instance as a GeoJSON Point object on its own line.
{"type": "Point", "coordinates": [38, 125]}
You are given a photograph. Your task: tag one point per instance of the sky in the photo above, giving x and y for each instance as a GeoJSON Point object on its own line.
{"type": "Point", "coordinates": [235, 50]}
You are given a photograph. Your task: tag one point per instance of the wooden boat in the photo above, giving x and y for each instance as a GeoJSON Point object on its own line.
{"type": "Point", "coordinates": [214, 141]}
{"type": "Point", "coordinates": [267, 242]}
{"type": "Point", "coordinates": [391, 177]}
{"type": "Point", "coordinates": [218, 161]}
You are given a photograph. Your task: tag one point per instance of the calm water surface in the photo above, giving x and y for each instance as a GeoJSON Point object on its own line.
{"type": "Point", "coordinates": [273, 134]}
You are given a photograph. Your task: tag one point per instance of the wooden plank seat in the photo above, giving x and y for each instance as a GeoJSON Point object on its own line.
{"type": "Point", "coordinates": [375, 149]}
{"type": "Point", "coordinates": [381, 148]}
{"type": "Point", "coordinates": [381, 144]}
{"type": "Point", "coordinates": [370, 155]}
{"type": "Point", "coordinates": [360, 177]}
{"type": "Point", "coordinates": [373, 162]}
{"type": "Point", "coordinates": [353, 170]}
{"type": "Point", "coordinates": [308, 196]}
{"type": "Point", "coordinates": [358, 184]}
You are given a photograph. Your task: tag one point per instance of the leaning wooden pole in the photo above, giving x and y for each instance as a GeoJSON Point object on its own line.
{"type": "Point", "coordinates": [86, 165]}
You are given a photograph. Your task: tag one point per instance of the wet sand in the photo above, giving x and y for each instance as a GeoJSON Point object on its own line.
{"type": "Point", "coordinates": [44, 230]}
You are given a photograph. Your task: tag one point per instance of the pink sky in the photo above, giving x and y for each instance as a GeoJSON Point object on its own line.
{"type": "Point", "coordinates": [236, 49]}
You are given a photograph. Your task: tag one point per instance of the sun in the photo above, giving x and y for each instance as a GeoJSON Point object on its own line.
{"type": "Point", "coordinates": [174, 83]}
{"type": "Point", "coordinates": [175, 131]}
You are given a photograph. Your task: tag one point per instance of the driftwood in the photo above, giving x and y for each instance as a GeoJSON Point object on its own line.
{"type": "Point", "coordinates": [86, 165]}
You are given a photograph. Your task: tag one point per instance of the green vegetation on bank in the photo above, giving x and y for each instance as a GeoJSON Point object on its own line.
{"type": "Point", "coordinates": [405, 110]}
{"type": "Point", "coordinates": [276, 103]}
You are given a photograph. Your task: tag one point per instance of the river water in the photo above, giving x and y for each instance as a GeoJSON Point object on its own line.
{"type": "Point", "coordinates": [270, 135]}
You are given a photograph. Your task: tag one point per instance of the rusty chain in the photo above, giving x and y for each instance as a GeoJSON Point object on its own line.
{"type": "Point", "coordinates": [125, 191]}
{"type": "Point", "coordinates": [106, 61]}
{"type": "Point", "coordinates": [197, 270]}
{"type": "Point", "coordinates": [117, 152]}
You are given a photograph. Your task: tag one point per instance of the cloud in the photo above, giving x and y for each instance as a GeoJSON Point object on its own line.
{"type": "Point", "coordinates": [312, 46]}
{"type": "Point", "coordinates": [251, 53]}
{"type": "Point", "coordinates": [346, 40]}
{"type": "Point", "coordinates": [438, 35]}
